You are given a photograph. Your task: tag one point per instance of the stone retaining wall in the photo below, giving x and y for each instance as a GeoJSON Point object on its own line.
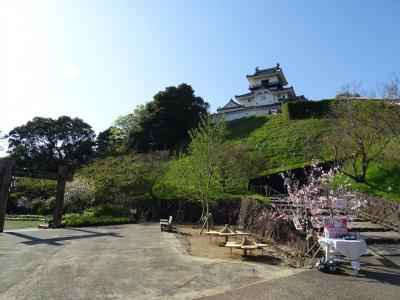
{"type": "Point", "coordinates": [253, 217]}
{"type": "Point", "coordinates": [383, 211]}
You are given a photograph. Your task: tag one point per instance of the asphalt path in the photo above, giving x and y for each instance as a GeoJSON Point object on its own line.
{"type": "Point", "coordinates": [116, 262]}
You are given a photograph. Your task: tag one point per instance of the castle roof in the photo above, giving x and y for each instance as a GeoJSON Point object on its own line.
{"type": "Point", "coordinates": [268, 71]}
{"type": "Point", "coordinates": [230, 106]}
{"type": "Point", "coordinates": [274, 91]}
{"type": "Point", "coordinates": [247, 108]}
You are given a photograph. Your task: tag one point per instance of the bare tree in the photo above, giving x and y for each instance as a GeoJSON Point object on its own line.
{"type": "Point", "coordinates": [391, 88]}
{"type": "Point", "coordinates": [356, 138]}
{"type": "Point", "coordinates": [2, 141]}
{"type": "Point", "coordinates": [389, 114]}
{"type": "Point", "coordinates": [350, 90]}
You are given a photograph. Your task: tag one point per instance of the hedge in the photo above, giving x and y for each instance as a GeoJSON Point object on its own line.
{"type": "Point", "coordinates": [307, 109]}
{"type": "Point", "coordinates": [320, 109]}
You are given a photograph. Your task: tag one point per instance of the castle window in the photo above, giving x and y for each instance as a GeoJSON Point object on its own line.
{"type": "Point", "coordinates": [263, 97]}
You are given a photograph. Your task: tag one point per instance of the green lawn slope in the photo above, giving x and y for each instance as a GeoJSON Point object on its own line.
{"type": "Point", "coordinates": [280, 139]}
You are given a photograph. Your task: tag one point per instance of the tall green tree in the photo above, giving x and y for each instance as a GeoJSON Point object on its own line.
{"type": "Point", "coordinates": [126, 128]}
{"type": "Point", "coordinates": [164, 122]}
{"type": "Point", "coordinates": [43, 144]}
{"type": "Point", "coordinates": [105, 143]}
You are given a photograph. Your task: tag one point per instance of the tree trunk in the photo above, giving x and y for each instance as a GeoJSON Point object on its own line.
{"type": "Point", "coordinates": [59, 201]}
{"type": "Point", "coordinates": [223, 180]}
{"type": "Point", "coordinates": [156, 204]}
{"type": "Point", "coordinates": [208, 214]}
{"type": "Point", "coordinates": [364, 167]}
{"type": "Point", "coordinates": [5, 181]}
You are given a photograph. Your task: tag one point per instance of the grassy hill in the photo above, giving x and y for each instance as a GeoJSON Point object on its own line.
{"type": "Point", "coordinates": [280, 139]}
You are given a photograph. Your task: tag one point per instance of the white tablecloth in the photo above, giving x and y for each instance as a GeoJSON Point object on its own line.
{"type": "Point", "coordinates": [352, 249]}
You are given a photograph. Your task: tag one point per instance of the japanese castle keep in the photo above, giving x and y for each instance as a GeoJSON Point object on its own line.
{"type": "Point", "coordinates": [268, 90]}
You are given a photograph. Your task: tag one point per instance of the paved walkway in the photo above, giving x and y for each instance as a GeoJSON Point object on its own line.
{"type": "Point", "coordinates": [116, 262]}
{"type": "Point", "coordinates": [378, 279]}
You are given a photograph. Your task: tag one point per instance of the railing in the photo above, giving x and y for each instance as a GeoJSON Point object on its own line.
{"type": "Point", "coordinates": [265, 190]}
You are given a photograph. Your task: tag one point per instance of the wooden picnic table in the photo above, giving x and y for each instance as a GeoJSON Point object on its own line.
{"type": "Point", "coordinates": [226, 232]}
{"type": "Point", "coordinates": [225, 235]}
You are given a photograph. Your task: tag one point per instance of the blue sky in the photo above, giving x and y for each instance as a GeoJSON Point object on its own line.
{"type": "Point", "coordinates": [98, 59]}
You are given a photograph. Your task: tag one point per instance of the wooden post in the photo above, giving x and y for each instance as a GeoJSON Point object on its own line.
{"type": "Point", "coordinates": [204, 225]}
{"type": "Point", "coordinates": [5, 181]}
{"type": "Point", "coordinates": [59, 202]}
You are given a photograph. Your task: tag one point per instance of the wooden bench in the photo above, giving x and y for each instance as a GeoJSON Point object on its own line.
{"type": "Point", "coordinates": [166, 224]}
{"type": "Point", "coordinates": [245, 248]}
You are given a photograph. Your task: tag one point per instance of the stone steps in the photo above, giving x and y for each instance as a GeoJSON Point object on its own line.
{"type": "Point", "coordinates": [379, 237]}
{"type": "Point", "coordinates": [380, 221]}
{"type": "Point", "coordinates": [383, 249]}
{"type": "Point", "coordinates": [366, 226]}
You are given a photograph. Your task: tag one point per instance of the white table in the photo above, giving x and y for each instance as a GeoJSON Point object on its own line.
{"type": "Point", "coordinates": [352, 249]}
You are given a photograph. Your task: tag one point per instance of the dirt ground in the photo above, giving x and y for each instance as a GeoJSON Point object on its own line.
{"type": "Point", "coordinates": [199, 245]}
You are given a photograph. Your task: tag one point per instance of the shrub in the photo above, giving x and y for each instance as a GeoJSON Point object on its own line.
{"type": "Point", "coordinates": [88, 219]}
{"type": "Point", "coordinates": [105, 214]}
{"type": "Point", "coordinates": [111, 210]}
{"type": "Point", "coordinates": [43, 209]}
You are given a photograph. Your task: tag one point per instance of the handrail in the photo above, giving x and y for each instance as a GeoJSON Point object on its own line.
{"type": "Point", "coordinates": [263, 186]}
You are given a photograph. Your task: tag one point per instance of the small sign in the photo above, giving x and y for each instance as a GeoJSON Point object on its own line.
{"type": "Point", "coordinates": [297, 224]}
{"type": "Point", "coordinates": [132, 211]}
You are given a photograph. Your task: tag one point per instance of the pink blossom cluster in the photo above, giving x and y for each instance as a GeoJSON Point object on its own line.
{"type": "Point", "coordinates": [312, 202]}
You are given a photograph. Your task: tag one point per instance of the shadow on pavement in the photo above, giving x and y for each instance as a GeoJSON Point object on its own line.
{"type": "Point", "coordinates": [383, 277]}
{"type": "Point", "coordinates": [386, 271]}
{"type": "Point", "coordinates": [32, 240]}
{"type": "Point", "coordinates": [265, 259]}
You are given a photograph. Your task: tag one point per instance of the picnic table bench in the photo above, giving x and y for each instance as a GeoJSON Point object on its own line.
{"type": "Point", "coordinates": [246, 245]}
{"type": "Point", "coordinates": [166, 224]}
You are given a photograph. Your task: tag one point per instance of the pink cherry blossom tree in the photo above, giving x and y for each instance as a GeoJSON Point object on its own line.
{"type": "Point", "coordinates": [310, 204]}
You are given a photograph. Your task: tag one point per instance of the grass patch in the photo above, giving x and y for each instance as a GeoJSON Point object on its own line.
{"type": "Point", "coordinates": [257, 197]}
{"type": "Point", "coordinates": [260, 198]}
{"type": "Point", "coordinates": [20, 224]}
{"type": "Point", "coordinates": [381, 180]}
